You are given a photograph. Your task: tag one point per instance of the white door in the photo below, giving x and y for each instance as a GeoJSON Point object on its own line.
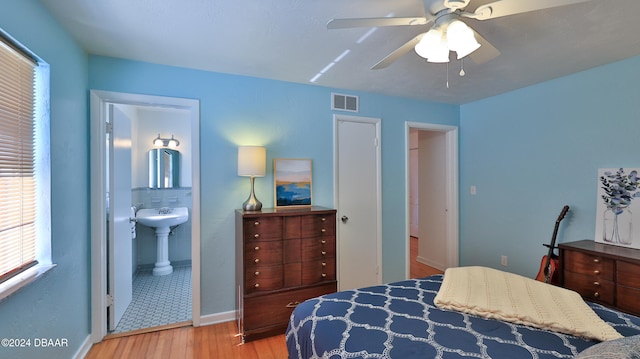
{"type": "Point", "coordinates": [120, 262]}
{"type": "Point", "coordinates": [358, 199]}
{"type": "Point", "coordinates": [432, 232]}
{"type": "Point", "coordinates": [414, 223]}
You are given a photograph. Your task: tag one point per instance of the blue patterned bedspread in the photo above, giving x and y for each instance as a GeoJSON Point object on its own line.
{"type": "Point", "coordinates": [399, 320]}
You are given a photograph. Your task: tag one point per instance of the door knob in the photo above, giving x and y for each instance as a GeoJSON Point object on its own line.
{"type": "Point", "coordinates": [344, 219]}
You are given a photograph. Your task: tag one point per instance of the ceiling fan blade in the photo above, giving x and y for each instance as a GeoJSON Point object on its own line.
{"type": "Point", "coordinates": [397, 53]}
{"type": "Point", "coordinates": [511, 7]}
{"type": "Point", "coordinates": [485, 53]}
{"type": "Point", "coordinates": [377, 22]}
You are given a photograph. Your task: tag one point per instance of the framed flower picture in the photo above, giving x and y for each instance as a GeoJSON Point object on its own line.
{"type": "Point", "coordinates": [618, 207]}
{"type": "Point", "coordinates": [292, 181]}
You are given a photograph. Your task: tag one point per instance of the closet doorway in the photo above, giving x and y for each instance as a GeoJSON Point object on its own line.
{"type": "Point", "coordinates": [432, 195]}
{"type": "Point", "coordinates": [358, 198]}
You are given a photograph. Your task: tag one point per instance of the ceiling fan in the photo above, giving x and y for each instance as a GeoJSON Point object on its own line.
{"type": "Point", "coordinates": [445, 29]}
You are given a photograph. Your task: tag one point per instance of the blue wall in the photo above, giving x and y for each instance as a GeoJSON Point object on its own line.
{"type": "Point", "coordinates": [291, 120]}
{"type": "Point", "coordinates": [57, 305]}
{"type": "Point", "coordinates": [531, 151]}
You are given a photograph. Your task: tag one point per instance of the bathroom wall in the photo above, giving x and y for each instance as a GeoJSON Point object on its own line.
{"type": "Point", "coordinates": [148, 123]}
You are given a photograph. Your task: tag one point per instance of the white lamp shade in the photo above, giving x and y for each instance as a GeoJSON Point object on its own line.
{"type": "Point", "coordinates": [460, 38]}
{"type": "Point", "coordinates": [433, 47]}
{"type": "Point", "coordinates": [429, 41]}
{"type": "Point", "coordinates": [252, 161]}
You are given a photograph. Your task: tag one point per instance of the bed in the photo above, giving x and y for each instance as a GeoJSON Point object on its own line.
{"type": "Point", "coordinates": [400, 320]}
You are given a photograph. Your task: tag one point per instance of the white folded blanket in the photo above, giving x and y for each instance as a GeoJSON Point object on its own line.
{"type": "Point", "coordinates": [509, 297]}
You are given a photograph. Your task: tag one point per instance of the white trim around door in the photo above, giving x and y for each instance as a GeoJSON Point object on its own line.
{"type": "Point", "coordinates": [452, 191]}
{"type": "Point", "coordinates": [98, 119]}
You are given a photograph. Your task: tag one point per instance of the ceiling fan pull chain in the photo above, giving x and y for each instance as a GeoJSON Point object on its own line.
{"type": "Point", "coordinates": [447, 75]}
{"type": "Point", "coordinates": [462, 73]}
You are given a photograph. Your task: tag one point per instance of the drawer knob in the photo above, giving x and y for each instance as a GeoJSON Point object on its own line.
{"type": "Point", "coordinates": [596, 260]}
{"type": "Point", "coordinates": [257, 285]}
{"type": "Point", "coordinates": [324, 264]}
{"type": "Point", "coordinates": [256, 260]}
{"type": "Point", "coordinates": [596, 283]}
{"type": "Point", "coordinates": [596, 294]}
{"type": "Point", "coordinates": [324, 275]}
{"type": "Point", "coordinates": [257, 248]}
{"type": "Point", "coordinates": [257, 273]}
{"type": "Point", "coordinates": [323, 219]}
{"type": "Point", "coordinates": [596, 272]}
{"type": "Point", "coordinates": [256, 235]}
{"type": "Point", "coordinates": [293, 304]}
{"type": "Point", "coordinates": [323, 230]}
{"type": "Point", "coordinates": [323, 241]}
{"type": "Point", "coordinates": [256, 223]}
{"type": "Point", "coordinates": [324, 253]}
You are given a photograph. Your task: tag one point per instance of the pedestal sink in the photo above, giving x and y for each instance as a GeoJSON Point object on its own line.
{"type": "Point", "coordinates": [162, 219]}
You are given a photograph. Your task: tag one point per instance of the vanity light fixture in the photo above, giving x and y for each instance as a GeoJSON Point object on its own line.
{"type": "Point", "coordinates": [166, 142]}
{"type": "Point", "coordinates": [252, 163]}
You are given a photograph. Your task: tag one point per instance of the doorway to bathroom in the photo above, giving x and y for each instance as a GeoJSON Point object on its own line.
{"type": "Point", "coordinates": [145, 275]}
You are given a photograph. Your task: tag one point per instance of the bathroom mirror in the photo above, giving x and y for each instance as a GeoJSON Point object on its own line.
{"type": "Point", "coordinates": [164, 168]}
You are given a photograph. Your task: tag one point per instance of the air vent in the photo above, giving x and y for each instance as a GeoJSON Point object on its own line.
{"type": "Point", "coordinates": [344, 102]}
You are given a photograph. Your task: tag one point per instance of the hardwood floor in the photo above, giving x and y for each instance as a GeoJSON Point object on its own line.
{"type": "Point", "coordinates": [417, 269]}
{"type": "Point", "coordinates": [211, 341]}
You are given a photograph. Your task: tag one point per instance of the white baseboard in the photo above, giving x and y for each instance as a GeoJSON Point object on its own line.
{"type": "Point", "coordinates": [218, 318]}
{"type": "Point", "coordinates": [84, 348]}
{"type": "Point", "coordinates": [430, 263]}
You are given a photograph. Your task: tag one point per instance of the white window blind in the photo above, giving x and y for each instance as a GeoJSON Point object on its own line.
{"type": "Point", "coordinates": [17, 162]}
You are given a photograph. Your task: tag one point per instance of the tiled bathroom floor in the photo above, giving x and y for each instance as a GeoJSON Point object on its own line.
{"type": "Point", "coordinates": [158, 300]}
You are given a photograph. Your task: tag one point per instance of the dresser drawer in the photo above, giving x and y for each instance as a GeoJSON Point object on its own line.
{"type": "Point", "coordinates": [628, 299]}
{"type": "Point", "coordinates": [262, 228]}
{"type": "Point", "coordinates": [628, 274]}
{"type": "Point", "coordinates": [318, 271]}
{"type": "Point", "coordinates": [591, 265]}
{"type": "Point", "coordinates": [263, 278]}
{"type": "Point", "coordinates": [591, 288]}
{"type": "Point", "coordinates": [318, 225]}
{"type": "Point", "coordinates": [263, 253]}
{"type": "Point", "coordinates": [318, 248]}
{"type": "Point", "coordinates": [275, 309]}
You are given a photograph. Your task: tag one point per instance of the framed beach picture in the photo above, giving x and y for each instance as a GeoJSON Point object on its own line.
{"type": "Point", "coordinates": [292, 182]}
{"type": "Point", "coordinates": [618, 207]}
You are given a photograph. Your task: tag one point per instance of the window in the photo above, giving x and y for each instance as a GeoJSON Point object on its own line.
{"type": "Point", "coordinates": [24, 168]}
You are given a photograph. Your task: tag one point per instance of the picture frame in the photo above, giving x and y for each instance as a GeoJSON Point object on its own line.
{"type": "Point", "coordinates": [618, 207]}
{"type": "Point", "coordinates": [292, 182]}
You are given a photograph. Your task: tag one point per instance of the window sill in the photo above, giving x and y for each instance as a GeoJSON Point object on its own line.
{"type": "Point", "coordinates": [23, 279]}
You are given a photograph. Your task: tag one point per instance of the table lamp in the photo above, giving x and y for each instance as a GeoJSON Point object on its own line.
{"type": "Point", "coordinates": [252, 163]}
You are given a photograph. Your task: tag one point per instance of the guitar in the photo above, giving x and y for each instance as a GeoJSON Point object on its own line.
{"type": "Point", "coordinates": [549, 263]}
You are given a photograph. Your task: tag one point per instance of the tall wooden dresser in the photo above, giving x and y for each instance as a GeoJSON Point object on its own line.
{"type": "Point", "coordinates": [602, 273]}
{"type": "Point", "coordinates": [283, 257]}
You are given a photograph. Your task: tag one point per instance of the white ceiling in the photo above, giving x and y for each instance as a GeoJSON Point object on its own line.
{"type": "Point", "coordinates": [288, 40]}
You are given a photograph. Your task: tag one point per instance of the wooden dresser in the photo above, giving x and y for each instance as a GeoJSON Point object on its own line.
{"type": "Point", "coordinates": [283, 257]}
{"type": "Point", "coordinates": [602, 273]}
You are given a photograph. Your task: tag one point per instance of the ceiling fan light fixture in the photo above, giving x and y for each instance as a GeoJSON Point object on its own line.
{"type": "Point", "coordinates": [460, 38]}
{"type": "Point", "coordinates": [433, 46]}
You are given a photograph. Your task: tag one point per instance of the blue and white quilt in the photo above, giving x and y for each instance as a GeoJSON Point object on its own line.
{"type": "Point", "coordinates": [399, 320]}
